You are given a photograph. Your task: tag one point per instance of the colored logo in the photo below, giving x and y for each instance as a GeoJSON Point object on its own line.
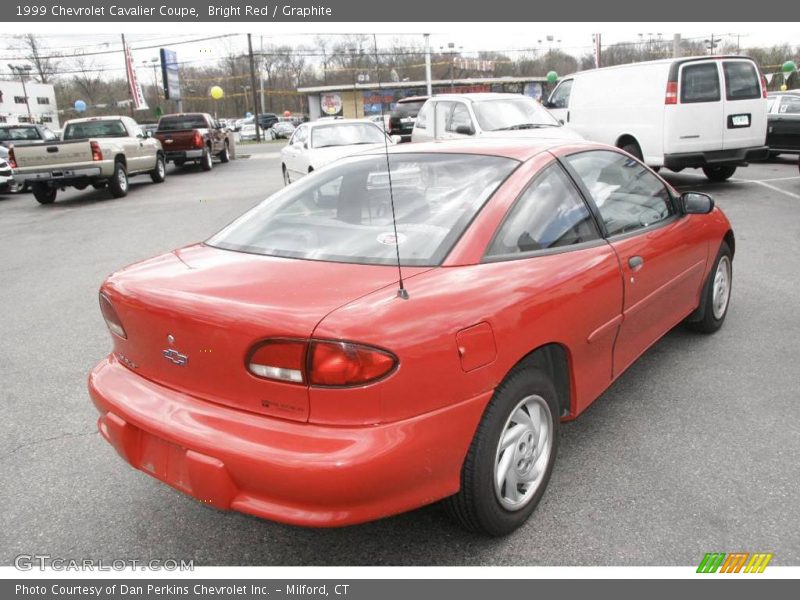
{"type": "Point", "coordinates": [736, 562]}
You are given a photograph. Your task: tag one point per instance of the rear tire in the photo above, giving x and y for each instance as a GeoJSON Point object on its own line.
{"type": "Point", "coordinates": [207, 161]}
{"type": "Point", "coordinates": [118, 182]}
{"type": "Point", "coordinates": [719, 173]}
{"type": "Point", "coordinates": [716, 293]}
{"type": "Point", "coordinates": [44, 194]}
{"type": "Point", "coordinates": [159, 174]}
{"type": "Point", "coordinates": [225, 156]}
{"type": "Point", "coordinates": [511, 457]}
{"type": "Point", "coordinates": [286, 180]}
{"type": "Point", "coordinates": [633, 149]}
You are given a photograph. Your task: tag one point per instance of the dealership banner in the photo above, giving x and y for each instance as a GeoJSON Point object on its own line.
{"type": "Point", "coordinates": [139, 103]}
{"type": "Point", "coordinates": [121, 11]}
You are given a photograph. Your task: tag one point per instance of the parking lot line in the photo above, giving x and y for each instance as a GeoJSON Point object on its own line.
{"type": "Point", "coordinates": [775, 188]}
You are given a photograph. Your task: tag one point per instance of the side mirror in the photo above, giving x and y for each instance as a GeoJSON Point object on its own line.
{"type": "Point", "coordinates": [548, 104]}
{"type": "Point", "coordinates": [465, 130]}
{"type": "Point", "coordinates": [697, 203]}
{"type": "Point", "coordinates": [396, 139]}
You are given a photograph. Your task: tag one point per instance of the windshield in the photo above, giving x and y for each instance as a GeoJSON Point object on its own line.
{"type": "Point", "coordinates": [343, 213]}
{"type": "Point", "coordinates": [18, 133]}
{"type": "Point", "coordinates": [345, 134]}
{"type": "Point", "coordinates": [182, 122]}
{"type": "Point", "coordinates": [94, 129]}
{"type": "Point", "coordinates": [512, 113]}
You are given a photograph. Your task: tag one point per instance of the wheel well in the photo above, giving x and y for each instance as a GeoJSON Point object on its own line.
{"type": "Point", "coordinates": [626, 139]}
{"type": "Point", "coordinates": [121, 158]}
{"type": "Point", "coordinates": [552, 359]}
{"type": "Point", "coordinates": [731, 241]}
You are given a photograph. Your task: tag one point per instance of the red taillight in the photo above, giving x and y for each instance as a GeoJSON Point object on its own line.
{"type": "Point", "coordinates": [343, 363]}
{"type": "Point", "coordinates": [111, 317]}
{"type": "Point", "coordinates": [97, 153]}
{"type": "Point", "coordinates": [763, 87]}
{"type": "Point", "coordinates": [319, 362]}
{"type": "Point", "coordinates": [197, 141]}
{"type": "Point", "coordinates": [12, 160]}
{"type": "Point", "coordinates": [671, 97]}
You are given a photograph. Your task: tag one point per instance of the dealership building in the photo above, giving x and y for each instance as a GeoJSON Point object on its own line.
{"type": "Point", "coordinates": [360, 100]}
{"type": "Point", "coordinates": [38, 107]}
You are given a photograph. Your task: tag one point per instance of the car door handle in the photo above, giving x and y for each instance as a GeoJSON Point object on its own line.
{"type": "Point", "coordinates": [635, 263]}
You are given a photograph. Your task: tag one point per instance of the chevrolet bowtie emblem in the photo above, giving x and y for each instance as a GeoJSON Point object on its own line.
{"type": "Point", "coordinates": [175, 357]}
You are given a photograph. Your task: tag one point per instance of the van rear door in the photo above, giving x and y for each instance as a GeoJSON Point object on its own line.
{"type": "Point", "coordinates": [693, 113]}
{"type": "Point", "coordinates": [745, 116]}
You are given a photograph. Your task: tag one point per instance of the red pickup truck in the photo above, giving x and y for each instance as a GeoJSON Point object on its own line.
{"type": "Point", "coordinates": [193, 137]}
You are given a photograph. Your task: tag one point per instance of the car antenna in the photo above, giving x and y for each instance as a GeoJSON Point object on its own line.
{"type": "Point", "coordinates": [401, 292]}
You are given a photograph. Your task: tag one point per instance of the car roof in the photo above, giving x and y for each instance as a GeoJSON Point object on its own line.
{"type": "Point", "coordinates": [480, 96]}
{"type": "Point", "coordinates": [321, 122]}
{"type": "Point", "coordinates": [786, 93]}
{"type": "Point", "coordinates": [518, 149]}
{"type": "Point", "coordinates": [89, 119]}
{"type": "Point", "coordinates": [412, 99]}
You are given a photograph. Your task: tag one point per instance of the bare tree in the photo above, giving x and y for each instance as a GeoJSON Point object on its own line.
{"type": "Point", "coordinates": [44, 65]}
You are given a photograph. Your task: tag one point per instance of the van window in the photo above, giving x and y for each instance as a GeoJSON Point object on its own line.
{"type": "Point", "coordinates": [700, 83]}
{"type": "Point", "coordinates": [741, 80]}
{"type": "Point", "coordinates": [560, 97]}
{"type": "Point", "coordinates": [549, 214]}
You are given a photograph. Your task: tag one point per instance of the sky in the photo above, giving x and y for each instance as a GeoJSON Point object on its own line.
{"type": "Point", "coordinates": [468, 38]}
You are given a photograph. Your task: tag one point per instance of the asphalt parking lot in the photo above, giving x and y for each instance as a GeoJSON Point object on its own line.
{"type": "Point", "coordinates": [695, 449]}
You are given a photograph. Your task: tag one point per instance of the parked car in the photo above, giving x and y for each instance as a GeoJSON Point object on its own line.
{"type": "Point", "coordinates": [783, 123]}
{"type": "Point", "coordinates": [403, 116]}
{"type": "Point", "coordinates": [97, 151]}
{"type": "Point", "coordinates": [705, 112]}
{"type": "Point", "coordinates": [193, 137]}
{"type": "Point", "coordinates": [285, 370]}
{"type": "Point", "coordinates": [6, 177]}
{"type": "Point", "coordinates": [314, 145]}
{"type": "Point", "coordinates": [23, 134]}
{"type": "Point", "coordinates": [267, 120]}
{"type": "Point", "coordinates": [282, 130]}
{"type": "Point", "coordinates": [453, 116]}
{"type": "Point", "coordinates": [247, 132]}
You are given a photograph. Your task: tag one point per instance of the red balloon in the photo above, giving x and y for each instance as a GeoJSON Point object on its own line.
{"type": "Point", "coordinates": [287, 113]}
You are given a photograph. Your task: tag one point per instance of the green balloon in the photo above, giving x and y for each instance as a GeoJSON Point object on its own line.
{"type": "Point", "coordinates": [552, 77]}
{"type": "Point", "coordinates": [789, 67]}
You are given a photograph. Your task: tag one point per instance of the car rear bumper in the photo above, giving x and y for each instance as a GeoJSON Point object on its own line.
{"type": "Point", "coordinates": [716, 158]}
{"type": "Point", "coordinates": [171, 155]}
{"type": "Point", "coordinates": [297, 473]}
{"type": "Point", "coordinates": [57, 175]}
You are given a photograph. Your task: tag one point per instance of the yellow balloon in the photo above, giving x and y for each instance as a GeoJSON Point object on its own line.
{"type": "Point", "coordinates": [216, 92]}
{"type": "Point", "coordinates": [784, 87]}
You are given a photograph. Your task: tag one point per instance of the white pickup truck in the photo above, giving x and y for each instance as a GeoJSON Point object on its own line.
{"type": "Point", "coordinates": [97, 151]}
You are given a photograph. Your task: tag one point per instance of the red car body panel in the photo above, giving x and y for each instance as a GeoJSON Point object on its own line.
{"type": "Point", "coordinates": [324, 456]}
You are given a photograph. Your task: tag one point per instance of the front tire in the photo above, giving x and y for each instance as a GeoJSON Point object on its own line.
{"type": "Point", "coordinates": [719, 173]}
{"type": "Point", "coordinates": [511, 457]}
{"type": "Point", "coordinates": [118, 182]}
{"type": "Point", "coordinates": [225, 155]}
{"type": "Point", "coordinates": [716, 293]}
{"type": "Point", "coordinates": [159, 174]}
{"type": "Point", "coordinates": [44, 194]}
{"type": "Point", "coordinates": [207, 161]}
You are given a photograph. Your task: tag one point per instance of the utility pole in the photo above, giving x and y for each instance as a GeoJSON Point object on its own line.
{"type": "Point", "coordinates": [676, 45]}
{"type": "Point", "coordinates": [711, 44]}
{"type": "Point", "coordinates": [428, 63]}
{"type": "Point", "coordinates": [253, 85]}
{"type": "Point", "coordinates": [21, 70]}
{"type": "Point", "coordinates": [261, 75]}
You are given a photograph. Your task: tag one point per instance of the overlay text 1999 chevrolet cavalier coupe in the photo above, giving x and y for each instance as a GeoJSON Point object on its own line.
{"type": "Point", "coordinates": [276, 369]}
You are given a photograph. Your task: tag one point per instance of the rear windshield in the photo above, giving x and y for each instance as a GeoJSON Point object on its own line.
{"type": "Point", "coordinates": [345, 134]}
{"type": "Point", "coordinates": [19, 133]}
{"type": "Point", "coordinates": [699, 83]}
{"type": "Point", "coordinates": [512, 113]}
{"type": "Point", "coordinates": [343, 213]}
{"type": "Point", "coordinates": [94, 129]}
{"type": "Point", "coordinates": [741, 80]}
{"type": "Point", "coordinates": [408, 109]}
{"type": "Point", "coordinates": [181, 122]}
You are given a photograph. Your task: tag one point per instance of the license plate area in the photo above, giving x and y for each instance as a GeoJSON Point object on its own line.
{"type": "Point", "coordinates": [738, 121]}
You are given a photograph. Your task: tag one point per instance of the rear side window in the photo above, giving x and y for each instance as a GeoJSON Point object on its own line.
{"type": "Point", "coordinates": [95, 129]}
{"type": "Point", "coordinates": [741, 80]}
{"type": "Point", "coordinates": [182, 122]}
{"type": "Point", "coordinates": [700, 83]}
{"type": "Point", "coordinates": [549, 214]}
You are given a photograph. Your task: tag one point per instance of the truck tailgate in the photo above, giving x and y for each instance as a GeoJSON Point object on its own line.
{"type": "Point", "coordinates": [183, 139]}
{"type": "Point", "coordinates": [57, 154]}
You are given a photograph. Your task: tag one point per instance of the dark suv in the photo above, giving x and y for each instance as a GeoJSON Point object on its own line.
{"type": "Point", "coordinates": [402, 119]}
{"type": "Point", "coordinates": [267, 120]}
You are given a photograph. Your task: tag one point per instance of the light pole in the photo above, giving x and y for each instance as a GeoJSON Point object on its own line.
{"type": "Point", "coordinates": [22, 70]}
{"type": "Point", "coordinates": [152, 62]}
{"type": "Point", "coordinates": [451, 50]}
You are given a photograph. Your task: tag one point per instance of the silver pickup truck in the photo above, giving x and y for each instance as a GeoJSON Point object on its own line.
{"type": "Point", "coordinates": [97, 151]}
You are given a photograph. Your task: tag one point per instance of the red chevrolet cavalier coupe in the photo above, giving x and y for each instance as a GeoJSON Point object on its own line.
{"type": "Point", "coordinates": [283, 369]}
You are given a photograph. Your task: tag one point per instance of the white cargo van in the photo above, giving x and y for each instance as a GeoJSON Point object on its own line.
{"type": "Point", "coordinates": [706, 112]}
